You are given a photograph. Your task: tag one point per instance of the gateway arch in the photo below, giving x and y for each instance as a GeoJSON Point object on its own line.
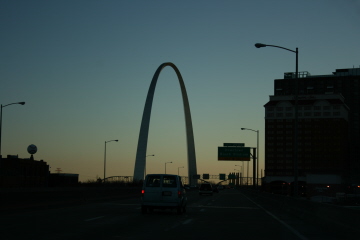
{"type": "Point", "coordinates": [145, 123]}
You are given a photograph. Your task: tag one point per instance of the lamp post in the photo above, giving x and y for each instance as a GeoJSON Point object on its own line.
{"type": "Point", "coordinates": [145, 162]}
{"type": "Point", "coordinates": [241, 172]}
{"type": "Point", "coordinates": [2, 106]}
{"type": "Point", "coordinates": [165, 166]}
{"type": "Point", "coordinates": [296, 172]}
{"type": "Point", "coordinates": [257, 152]}
{"type": "Point", "coordinates": [105, 157]}
{"type": "Point", "coordinates": [178, 170]}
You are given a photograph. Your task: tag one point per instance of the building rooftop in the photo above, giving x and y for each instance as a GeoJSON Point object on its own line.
{"type": "Point", "coordinates": [337, 73]}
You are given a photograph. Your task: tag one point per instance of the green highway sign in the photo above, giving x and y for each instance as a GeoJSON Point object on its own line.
{"type": "Point", "coordinates": [234, 144]}
{"type": "Point", "coordinates": [231, 176]}
{"type": "Point", "coordinates": [222, 176]}
{"type": "Point", "coordinates": [233, 153]}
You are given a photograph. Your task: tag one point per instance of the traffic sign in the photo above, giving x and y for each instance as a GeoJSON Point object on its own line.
{"type": "Point", "coordinates": [234, 153]}
{"type": "Point", "coordinates": [222, 176]}
{"type": "Point", "coordinates": [234, 144]}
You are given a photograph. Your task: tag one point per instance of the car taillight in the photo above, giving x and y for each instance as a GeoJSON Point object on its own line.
{"type": "Point", "coordinates": [142, 192]}
{"type": "Point", "coordinates": [179, 193]}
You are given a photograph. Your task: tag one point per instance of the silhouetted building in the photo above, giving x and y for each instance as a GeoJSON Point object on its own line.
{"type": "Point", "coordinates": [328, 129]}
{"type": "Point", "coordinates": [23, 172]}
{"type": "Point", "coordinates": [63, 179]}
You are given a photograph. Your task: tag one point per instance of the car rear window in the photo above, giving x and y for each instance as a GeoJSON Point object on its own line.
{"type": "Point", "coordinates": [153, 181]}
{"type": "Point", "coordinates": [169, 181]}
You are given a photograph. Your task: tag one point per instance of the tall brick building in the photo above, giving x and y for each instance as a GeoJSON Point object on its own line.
{"type": "Point", "coordinates": [328, 129]}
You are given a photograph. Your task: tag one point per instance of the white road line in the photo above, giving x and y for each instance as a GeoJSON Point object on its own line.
{"type": "Point", "coordinates": [202, 206]}
{"type": "Point", "coordinates": [187, 221]}
{"type": "Point", "coordinates": [91, 219]}
{"type": "Point", "coordinates": [299, 235]}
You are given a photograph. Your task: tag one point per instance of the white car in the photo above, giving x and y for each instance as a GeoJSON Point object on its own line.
{"type": "Point", "coordinates": [163, 191]}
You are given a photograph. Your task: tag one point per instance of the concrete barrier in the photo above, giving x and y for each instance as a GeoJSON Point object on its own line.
{"type": "Point", "coordinates": [17, 199]}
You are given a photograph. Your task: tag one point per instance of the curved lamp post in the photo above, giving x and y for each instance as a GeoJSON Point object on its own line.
{"type": "Point", "coordinates": [165, 166]}
{"type": "Point", "coordinates": [296, 172]}
{"type": "Point", "coordinates": [105, 157]}
{"type": "Point", "coordinates": [2, 106]}
{"type": "Point", "coordinates": [257, 152]}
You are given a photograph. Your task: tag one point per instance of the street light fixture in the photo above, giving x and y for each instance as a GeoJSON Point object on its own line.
{"type": "Point", "coordinates": [296, 172]}
{"type": "Point", "coordinates": [178, 170]}
{"type": "Point", "coordinates": [257, 152]}
{"type": "Point", "coordinates": [165, 166]}
{"type": "Point", "coordinates": [152, 155]}
{"type": "Point", "coordinates": [105, 157]}
{"type": "Point", "coordinates": [2, 106]}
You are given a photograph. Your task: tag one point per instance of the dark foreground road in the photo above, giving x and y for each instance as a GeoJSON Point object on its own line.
{"type": "Point", "coordinates": [228, 214]}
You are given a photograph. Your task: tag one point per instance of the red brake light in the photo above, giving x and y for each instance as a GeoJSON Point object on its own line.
{"type": "Point", "coordinates": [179, 193]}
{"type": "Point", "coordinates": [142, 192]}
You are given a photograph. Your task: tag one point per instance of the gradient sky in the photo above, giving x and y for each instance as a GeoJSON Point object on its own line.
{"type": "Point", "coordinates": [84, 68]}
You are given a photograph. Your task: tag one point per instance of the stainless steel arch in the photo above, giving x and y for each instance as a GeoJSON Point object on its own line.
{"type": "Point", "coordinates": [145, 122]}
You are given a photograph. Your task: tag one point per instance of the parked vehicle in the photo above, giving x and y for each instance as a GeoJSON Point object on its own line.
{"type": "Point", "coordinates": [163, 191]}
{"type": "Point", "coordinates": [205, 188]}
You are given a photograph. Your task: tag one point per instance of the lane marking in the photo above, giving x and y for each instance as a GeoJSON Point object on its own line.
{"type": "Point", "coordinates": [187, 221]}
{"type": "Point", "coordinates": [91, 219]}
{"type": "Point", "coordinates": [202, 206]}
{"type": "Point", "coordinates": [299, 235]}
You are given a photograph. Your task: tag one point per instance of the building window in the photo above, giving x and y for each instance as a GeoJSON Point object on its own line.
{"type": "Point", "coordinates": [279, 108]}
{"type": "Point", "coordinates": [317, 114]}
{"type": "Point", "coordinates": [270, 109]}
{"type": "Point", "coordinates": [317, 108]}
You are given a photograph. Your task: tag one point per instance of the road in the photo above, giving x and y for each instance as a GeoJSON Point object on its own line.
{"type": "Point", "coordinates": [229, 213]}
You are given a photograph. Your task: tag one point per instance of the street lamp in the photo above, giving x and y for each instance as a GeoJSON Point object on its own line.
{"type": "Point", "coordinates": [178, 170]}
{"type": "Point", "coordinates": [165, 166]}
{"type": "Point", "coordinates": [105, 157]}
{"type": "Point", "coordinates": [241, 171]}
{"type": "Point", "coordinates": [296, 173]}
{"type": "Point", "coordinates": [257, 152]}
{"type": "Point", "coordinates": [152, 155]}
{"type": "Point", "coordinates": [2, 106]}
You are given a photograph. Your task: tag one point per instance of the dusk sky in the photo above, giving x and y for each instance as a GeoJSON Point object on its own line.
{"type": "Point", "coordinates": [84, 68]}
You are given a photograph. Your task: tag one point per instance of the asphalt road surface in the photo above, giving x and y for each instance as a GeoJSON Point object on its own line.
{"type": "Point", "coordinates": [225, 215]}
